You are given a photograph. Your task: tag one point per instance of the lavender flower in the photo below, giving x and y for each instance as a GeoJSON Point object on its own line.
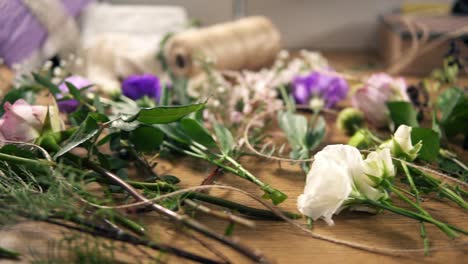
{"type": "Point", "coordinates": [68, 106]}
{"type": "Point", "coordinates": [319, 86]}
{"type": "Point", "coordinates": [138, 86]}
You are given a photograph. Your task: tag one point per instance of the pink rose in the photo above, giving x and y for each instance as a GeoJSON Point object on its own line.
{"type": "Point", "coordinates": [22, 122]}
{"type": "Point", "coordinates": [372, 97]}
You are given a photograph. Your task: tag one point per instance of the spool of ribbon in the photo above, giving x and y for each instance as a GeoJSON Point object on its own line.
{"type": "Point", "coordinates": [249, 43]}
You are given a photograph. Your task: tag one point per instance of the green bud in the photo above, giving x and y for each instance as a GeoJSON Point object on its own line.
{"type": "Point", "coordinates": [360, 140]}
{"type": "Point", "coordinates": [350, 120]}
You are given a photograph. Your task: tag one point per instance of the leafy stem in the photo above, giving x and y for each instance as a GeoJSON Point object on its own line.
{"type": "Point", "coordinates": [417, 205]}
{"type": "Point", "coordinates": [218, 159]}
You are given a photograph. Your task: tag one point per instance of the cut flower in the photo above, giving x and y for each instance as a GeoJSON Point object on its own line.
{"type": "Point", "coordinates": [401, 146]}
{"type": "Point", "coordinates": [339, 175]}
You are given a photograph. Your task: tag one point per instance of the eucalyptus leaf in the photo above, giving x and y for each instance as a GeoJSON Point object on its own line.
{"type": "Point", "coordinates": [403, 113]}
{"type": "Point", "coordinates": [430, 142]}
{"type": "Point", "coordinates": [164, 114]}
{"type": "Point", "coordinates": [315, 135]}
{"type": "Point", "coordinates": [295, 128]}
{"type": "Point", "coordinates": [87, 130]}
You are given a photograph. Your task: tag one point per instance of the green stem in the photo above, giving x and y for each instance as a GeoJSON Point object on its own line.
{"type": "Point", "coordinates": [25, 161]}
{"type": "Point", "coordinates": [447, 229]}
{"type": "Point", "coordinates": [418, 203]}
{"type": "Point", "coordinates": [240, 208]}
{"type": "Point", "coordinates": [443, 188]}
{"type": "Point", "coordinates": [275, 195]}
{"type": "Point", "coordinates": [7, 253]}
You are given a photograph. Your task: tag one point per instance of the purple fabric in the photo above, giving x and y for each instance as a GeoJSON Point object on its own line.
{"type": "Point", "coordinates": [69, 106]}
{"type": "Point", "coordinates": [21, 33]}
{"type": "Point", "coordinates": [330, 88]}
{"type": "Point", "coordinates": [138, 86]}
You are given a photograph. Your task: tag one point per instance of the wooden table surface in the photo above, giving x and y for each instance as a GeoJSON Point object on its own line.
{"type": "Point", "coordinates": [280, 241]}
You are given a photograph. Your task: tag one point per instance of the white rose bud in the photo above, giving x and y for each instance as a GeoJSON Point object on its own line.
{"type": "Point", "coordinates": [401, 146]}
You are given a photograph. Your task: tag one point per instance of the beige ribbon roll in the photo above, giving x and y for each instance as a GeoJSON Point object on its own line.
{"type": "Point", "coordinates": [250, 43]}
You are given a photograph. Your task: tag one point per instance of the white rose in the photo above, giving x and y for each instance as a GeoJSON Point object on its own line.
{"type": "Point", "coordinates": [328, 186]}
{"type": "Point", "coordinates": [344, 155]}
{"type": "Point", "coordinates": [329, 182]}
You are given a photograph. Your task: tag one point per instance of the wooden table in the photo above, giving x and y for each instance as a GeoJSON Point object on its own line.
{"type": "Point", "coordinates": [280, 241]}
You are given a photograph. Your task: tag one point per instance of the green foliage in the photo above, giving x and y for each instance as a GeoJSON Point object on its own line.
{"type": "Point", "coordinates": [24, 92]}
{"type": "Point", "coordinates": [225, 139]}
{"type": "Point", "coordinates": [146, 138]}
{"type": "Point", "coordinates": [453, 105]}
{"type": "Point", "coordinates": [164, 114]}
{"type": "Point", "coordinates": [453, 168]}
{"type": "Point", "coordinates": [403, 113]}
{"type": "Point", "coordinates": [197, 132]}
{"type": "Point", "coordinates": [302, 136]}
{"type": "Point", "coordinates": [430, 142]}
{"type": "Point", "coordinates": [47, 83]}
{"type": "Point", "coordinates": [85, 131]}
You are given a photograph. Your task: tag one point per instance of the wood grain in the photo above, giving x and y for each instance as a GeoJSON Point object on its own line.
{"type": "Point", "coordinates": [280, 241]}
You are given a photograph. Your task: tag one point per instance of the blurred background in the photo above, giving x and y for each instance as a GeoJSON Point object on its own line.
{"type": "Point", "coordinates": [313, 24]}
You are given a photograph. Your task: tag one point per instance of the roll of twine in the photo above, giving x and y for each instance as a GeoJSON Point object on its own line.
{"type": "Point", "coordinates": [249, 43]}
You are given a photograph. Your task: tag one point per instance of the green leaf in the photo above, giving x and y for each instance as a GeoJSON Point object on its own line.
{"type": "Point", "coordinates": [454, 109]}
{"type": "Point", "coordinates": [225, 139]}
{"type": "Point", "coordinates": [315, 135]}
{"type": "Point", "coordinates": [174, 132]}
{"type": "Point", "coordinates": [24, 92]}
{"type": "Point", "coordinates": [165, 114]}
{"type": "Point", "coordinates": [73, 91]}
{"type": "Point", "coordinates": [403, 113]}
{"type": "Point", "coordinates": [146, 138]}
{"type": "Point", "coordinates": [46, 83]}
{"type": "Point", "coordinates": [87, 130]}
{"type": "Point", "coordinates": [295, 128]}
{"type": "Point", "coordinates": [197, 132]}
{"type": "Point", "coordinates": [448, 100]}
{"type": "Point", "coordinates": [430, 142]}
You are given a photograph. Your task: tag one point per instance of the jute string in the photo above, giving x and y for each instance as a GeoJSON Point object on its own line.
{"type": "Point", "coordinates": [249, 43]}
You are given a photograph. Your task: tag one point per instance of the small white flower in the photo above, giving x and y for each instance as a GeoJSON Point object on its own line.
{"type": "Point", "coordinates": [377, 166]}
{"type": "Point", "coordinates": [47, 65]}
{"type": "Point", "coordinates": [57, 71]}
{"type": "Point", "coordinates": [401, 146]}
{"type": "Point", "coordinates": [316, 103]}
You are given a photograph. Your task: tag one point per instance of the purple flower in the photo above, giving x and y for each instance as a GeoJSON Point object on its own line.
{"type": "Point", "coordinates": [331, 89]}
{"type": "Point", "coordinates": [138, 86]}
{"type": "Point", "coordinates": [68, 106]}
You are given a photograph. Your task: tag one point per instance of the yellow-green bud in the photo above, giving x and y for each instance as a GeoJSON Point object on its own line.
{"type": "Point", "coordinates": [350, 120]}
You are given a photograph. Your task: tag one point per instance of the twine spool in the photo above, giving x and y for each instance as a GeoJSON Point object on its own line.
{"type": "Point", "coordinates": [249, 43]}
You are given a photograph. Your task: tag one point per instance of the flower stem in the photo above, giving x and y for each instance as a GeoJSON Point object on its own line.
{"type": "Point", "coordinates": [418, 206]}
{"type": "Point", "coordinates": [25, 161]}
{"type": "Point", "coordinates": [173, 216]}
{"type": "Point", "coordinates": [444, 189]}
{"type": "Point", "coordinates": [447, 229]}
{"type": "Point", "coordinates": [7, 253]}
{"type": "Point", "coordinates": [275, 195]}
{"type": "Point", "coordinates": [240, 208]}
